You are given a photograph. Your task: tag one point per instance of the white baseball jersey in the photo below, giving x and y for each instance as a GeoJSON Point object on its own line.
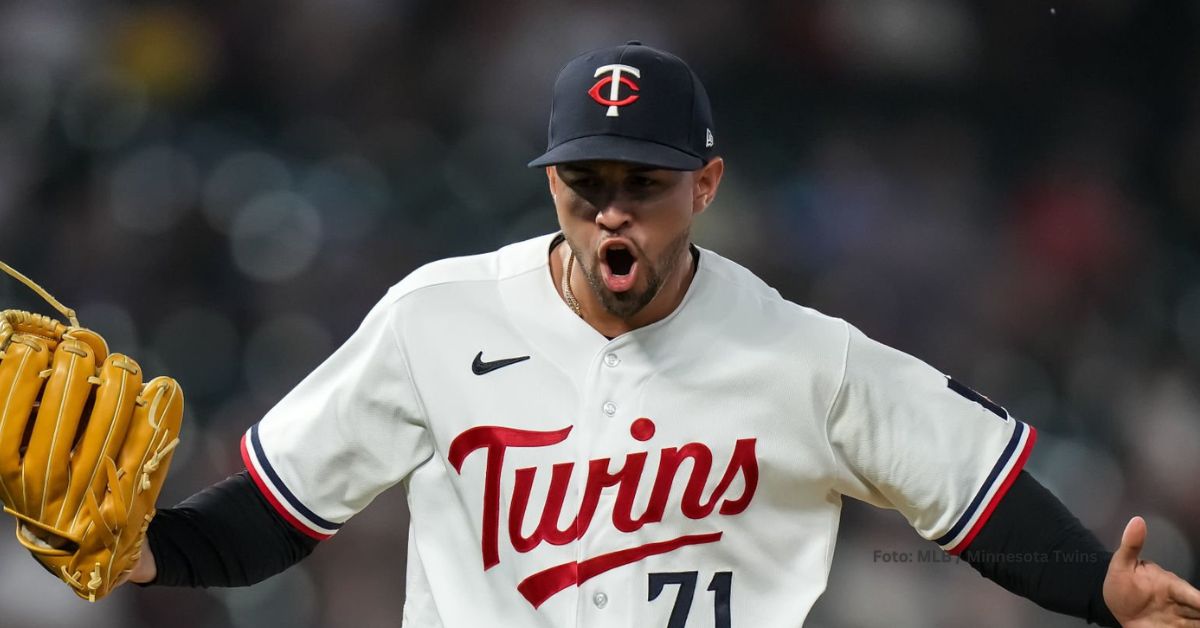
{"type": "Point", "coordinates": [689, 473]}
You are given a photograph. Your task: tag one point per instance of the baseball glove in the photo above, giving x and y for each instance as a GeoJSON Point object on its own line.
{"type": "Point", "coordinates": [84, 446]}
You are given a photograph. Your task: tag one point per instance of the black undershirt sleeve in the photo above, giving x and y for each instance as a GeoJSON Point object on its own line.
{"type": "Point", "coordinates": [227, 535]}
{"type": "Point", "coordinates": [1033, 546]}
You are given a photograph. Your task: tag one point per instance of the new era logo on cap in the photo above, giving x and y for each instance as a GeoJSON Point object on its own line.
{"type": "Point", "coordinates": [629, 103]}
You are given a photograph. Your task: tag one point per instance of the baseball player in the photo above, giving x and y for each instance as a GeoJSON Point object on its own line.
{"type": "Point", "coordinates": [610, 426]}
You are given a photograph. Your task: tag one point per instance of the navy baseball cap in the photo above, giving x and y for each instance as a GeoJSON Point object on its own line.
{"type": "Point", "coordinates": [629, 103]}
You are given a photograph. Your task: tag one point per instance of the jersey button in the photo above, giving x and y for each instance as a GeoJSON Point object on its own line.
{"type": "Point", "coordinates": [609, 408]}
{"type": "Point", "coordinates": [612, 359]}
{"type": "Point", "coordinates": [600, 600]}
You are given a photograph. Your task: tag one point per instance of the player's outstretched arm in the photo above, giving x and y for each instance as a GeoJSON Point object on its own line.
{"type": "Point", "coordinates": [227, 535]}
{"type": "Point", "coordinates": [1077, 576]}
{"type": "Point", "coordinates": [1031, 521]}
{"type": "Point", "coordinates": [1142, 594]}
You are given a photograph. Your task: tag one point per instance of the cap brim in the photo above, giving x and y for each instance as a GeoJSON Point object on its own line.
{"type": "Point", "coordinates": [616, 148]}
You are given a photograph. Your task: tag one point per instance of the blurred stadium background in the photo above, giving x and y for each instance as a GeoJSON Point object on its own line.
{"type": "Point", "coordinates": [1008, 190]}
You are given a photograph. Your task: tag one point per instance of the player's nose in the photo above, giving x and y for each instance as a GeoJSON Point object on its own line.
{"type": "Point", "coordinates": [614, 215]}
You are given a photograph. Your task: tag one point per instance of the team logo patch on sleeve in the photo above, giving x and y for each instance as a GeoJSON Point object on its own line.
{"type": "Point", "coordinates": [970, 394]}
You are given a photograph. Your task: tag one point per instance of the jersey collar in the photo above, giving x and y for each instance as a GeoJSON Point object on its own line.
{"type": "Point", "coordinates": [533, 302]}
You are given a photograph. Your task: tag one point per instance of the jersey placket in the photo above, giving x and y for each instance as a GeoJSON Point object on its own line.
{"type": "Point", "coordinates": [607, 408]}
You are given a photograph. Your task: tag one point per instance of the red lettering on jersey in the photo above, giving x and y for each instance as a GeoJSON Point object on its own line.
{"type": "Point", "coordinates": [600, 475]}
{"type": "Point", "coordinates": [547, 529]}
{"type": "Point", "coordinates": [542, 585]}
{"type": "Point", "coordinates": [496, 440]}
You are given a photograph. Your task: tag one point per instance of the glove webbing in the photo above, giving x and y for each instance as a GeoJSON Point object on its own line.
{"type": "Point", "coordinates": [41, 292]}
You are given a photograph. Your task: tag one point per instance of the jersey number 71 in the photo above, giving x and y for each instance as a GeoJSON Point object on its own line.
{"type": "Point", "coordinates": [720, 585]}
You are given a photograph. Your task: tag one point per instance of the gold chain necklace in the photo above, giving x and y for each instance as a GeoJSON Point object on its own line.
{"type": "Point", "coordinates": [569, 296]}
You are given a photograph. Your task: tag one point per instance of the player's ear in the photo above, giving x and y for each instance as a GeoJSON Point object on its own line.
{"type": "Point", "coordinates": [552, 179]}
{"type": "Point", "coordinates": [705, 183]}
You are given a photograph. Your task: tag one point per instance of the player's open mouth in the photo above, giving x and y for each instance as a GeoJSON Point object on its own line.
{"type": "Point", "coordinates": [618, 265]}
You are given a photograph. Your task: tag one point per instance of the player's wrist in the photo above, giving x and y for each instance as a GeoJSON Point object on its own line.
{"type": "Point", "coordinates": [146, 570]}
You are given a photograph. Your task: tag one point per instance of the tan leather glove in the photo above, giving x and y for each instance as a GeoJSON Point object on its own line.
{"type": "Point", "coordinates": [84, 446]}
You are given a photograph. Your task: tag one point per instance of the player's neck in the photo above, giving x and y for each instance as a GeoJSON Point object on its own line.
{"type": "Point", "coordinates": [609, 325]}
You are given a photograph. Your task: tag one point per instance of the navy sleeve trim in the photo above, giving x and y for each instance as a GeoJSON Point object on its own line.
{"type": "Point", "coordinates": [277, 493]}
{"type": "Point", "coordinates": [994, 488]}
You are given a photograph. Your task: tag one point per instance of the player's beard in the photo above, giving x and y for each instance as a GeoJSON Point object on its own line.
{"type": "Point", "coordinates": [627, 304]}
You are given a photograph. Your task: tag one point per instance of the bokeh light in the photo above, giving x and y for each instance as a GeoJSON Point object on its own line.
{"type": "Point", "coordinates": [239, 179]}
{"type": "Point", "coordinates": [276, 236]}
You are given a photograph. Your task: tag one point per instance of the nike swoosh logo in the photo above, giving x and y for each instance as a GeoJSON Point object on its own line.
{"type": "Point", "coordinates": [479, 367]}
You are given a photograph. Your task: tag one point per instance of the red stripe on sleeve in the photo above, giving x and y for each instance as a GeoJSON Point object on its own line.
{"type": "Point", "coordinates": [1008, 480]}
{"type": "Point", "coordinates": [283, 512]}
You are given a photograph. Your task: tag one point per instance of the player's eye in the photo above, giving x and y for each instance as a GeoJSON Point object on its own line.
{"type": "Point", "coordinates": [643, 182]}
{"type": "Point", "coordinates": [584, 182]}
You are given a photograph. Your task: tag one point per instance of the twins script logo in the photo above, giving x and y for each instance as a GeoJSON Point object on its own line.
{"type": "Point", "coordinates": [615, 79]}
{"type": "Point", "coordinates": [541, 586]}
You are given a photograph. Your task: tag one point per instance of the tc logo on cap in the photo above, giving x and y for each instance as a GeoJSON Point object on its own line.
{"type": "Point", "coordinates": [615, 79]}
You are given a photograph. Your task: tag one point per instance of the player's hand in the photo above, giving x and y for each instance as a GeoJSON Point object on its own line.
{"type": "Point", "coordinates": [1141, 594]}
